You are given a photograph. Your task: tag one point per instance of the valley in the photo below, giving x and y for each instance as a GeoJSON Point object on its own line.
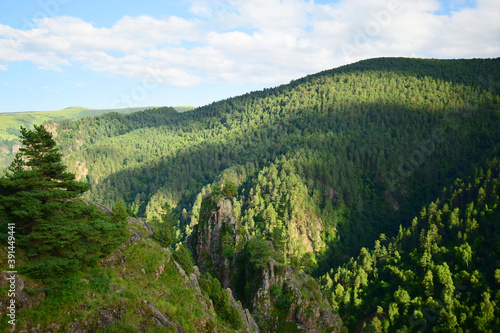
{"type": "Point", "coordinates": [362, 198]}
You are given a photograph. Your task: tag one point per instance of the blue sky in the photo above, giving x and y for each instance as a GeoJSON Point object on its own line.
{"type": "Point", "coordinates": [106, 54]}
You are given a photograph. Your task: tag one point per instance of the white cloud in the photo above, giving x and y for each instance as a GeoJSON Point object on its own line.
{"type": "Point", "coordinates": [258, 41]}
{"type": "Point", "coordinates": [3, 68]}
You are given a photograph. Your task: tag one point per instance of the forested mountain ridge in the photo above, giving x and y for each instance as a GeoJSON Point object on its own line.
{"type": "Point", "coordinates": [480, 73]}
{"type": "Point", "coordinates": [373, 140]}
{"type": "Point", "coordinates": [441, 273]}
{"type": "Point", "coordinates": [313, 171]}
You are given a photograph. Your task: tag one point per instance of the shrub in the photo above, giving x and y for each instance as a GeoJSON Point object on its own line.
{"type": "Point", "coordinates": [183, 257]}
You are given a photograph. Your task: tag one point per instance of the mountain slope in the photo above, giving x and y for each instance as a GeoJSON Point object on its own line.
{"type": "Point", "coordinates": [138, 288]}
{"type": "Point", "coordinates": [370, 141]}
{"type": "Point", "coordinates": [442, 273]}
{"type": "Point", "coordinates": [12, 121]}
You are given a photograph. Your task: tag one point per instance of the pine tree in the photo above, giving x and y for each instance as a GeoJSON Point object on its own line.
{"type": "Point", "coordinates": [37, 184]}
{"type": "Point", "coordinates": [59, 232]}
{"type": "Point", "coordinates": [260, 252]}
{"type": "Point", "coordinates": [230, 190]}
{"type": "Point", "coordinates": [164, 231]}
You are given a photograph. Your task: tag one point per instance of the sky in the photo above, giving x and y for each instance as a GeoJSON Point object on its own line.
{"type": "Point", "coordinates": [115, 54]}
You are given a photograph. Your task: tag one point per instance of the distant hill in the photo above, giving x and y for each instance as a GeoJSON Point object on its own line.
{"type": "Point", "coordinates": [184, 108]}
{"type": "Point", "coordinates": [11, 122]}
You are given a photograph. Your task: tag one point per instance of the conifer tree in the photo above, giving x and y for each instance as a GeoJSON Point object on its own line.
{"type": "Point", "coordinates": [230, 190]}
{"type": "Point", "coordinates": [37, 184]}
{"type": "Point", "coordinates": [59, 232]}
{"type": "Point", "coordinates": [164, 232]}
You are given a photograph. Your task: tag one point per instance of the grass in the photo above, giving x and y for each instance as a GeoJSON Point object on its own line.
{"type": "Point", "coordinates": [184, 108]}
{"type": "Point", "coordinates": [82, 297]}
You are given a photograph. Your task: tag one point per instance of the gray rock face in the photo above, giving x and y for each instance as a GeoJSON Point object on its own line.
{"type": "Point", "coordinates": [208, 250]}
{"type": "Point", "coordinates": [250, 326]}
{"type": "Point", "coordinates": [161, 319]}
{"type": "Point", "coordinates": [194, 282]}
{"type": "Point", "coordinates": [209, 253]}
{"type": "Point", "coordinates": [23, 300]}
{"type": "Point", "coordinates": [311, 313]}
{"type": "Point", "coordinates": [215, 231]}
{"type": "Point", "coordinates": [181, 272]}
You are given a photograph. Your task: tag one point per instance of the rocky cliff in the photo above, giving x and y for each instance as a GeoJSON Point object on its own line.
{"type": "Point", "coordinates": [281, 299]}
{"type": "Point", "coordinates": [216, 242]}
{"type": "Point", "coordinates": [137, 288]}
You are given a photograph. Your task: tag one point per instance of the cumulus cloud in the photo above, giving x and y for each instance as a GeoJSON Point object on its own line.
{"type": "Point", "coordinates": [257, 41]}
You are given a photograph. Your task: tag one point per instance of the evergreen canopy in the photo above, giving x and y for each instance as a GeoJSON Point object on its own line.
{"type": "Point", "coordinates": [59, 232]}
{"type": "Point", "coordinates": [37, 183]}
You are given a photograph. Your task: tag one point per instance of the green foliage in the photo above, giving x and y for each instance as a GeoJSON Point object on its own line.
{"type": "Point", "coordinates": [497, 275]}
{"type": "Point", "coordinates": [61, 233]}
{"type": "Point", "coordinates": [279, 241]}
{"type": "Point", "coordinates": [69, 291]}
{"type": "Point", "coordinates": [50, 267]}
{"type": "Point", "coordinates": [100, 284]}
{"type": "Point", "coordinates": [440, 280]}
{"type": "Point", "coordinates": [184, 258]}
{"type": "Point", "coordinates": [119, 213]}
{"type": "Point", "coordinates": [308, 261]}
{"type": "Point", "coordinates": [282, 298]}
{"type": "Point", "coordinates": [12, 121]}
{"type": "Point", "coordinates": [324, 165]}
{"type": "Point", "coordinates": [216, 189]}
{"type": "Point", "coordinates": [164, 232]}
{"type": "Point", "coordinates": [260, 253]}
{"type": "Point", "coordinates": [345, 133]}
{"type": "Point", "coordinates": [84, 296]}
{"type": "Point", "coordinates": [212, 289]}
{"type": "Point", "coordinates": [230, 190]}
{"type": "Point", "coordinates": [37, 182]}
{"type": "Point", "coordinates": [228, 245]}
{"type": "Point", "coordinates": [234, 317]}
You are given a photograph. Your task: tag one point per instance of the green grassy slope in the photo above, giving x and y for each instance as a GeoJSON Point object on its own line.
{"type": "Point", "coordinates": [113, 296]}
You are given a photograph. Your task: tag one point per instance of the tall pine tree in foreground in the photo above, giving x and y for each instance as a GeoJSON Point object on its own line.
{"type": "Point", "coordinates": [58, 231]}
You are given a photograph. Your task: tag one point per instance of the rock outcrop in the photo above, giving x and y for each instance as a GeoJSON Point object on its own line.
{"type": "Point", "coordinates": [216, 242]}
{"type": "Point", "coordinates": [160, 318]}
{"type": "Point", "coordinates": [110, 315]}
{"type": "Point", "coordinates": [307, 307]}
{"type": "Point", "coordinates": [249, 323]}
{"type": "Point", "coordinates": [27, 293]}
{"type": "Point", "coordinates": [217, 245]}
